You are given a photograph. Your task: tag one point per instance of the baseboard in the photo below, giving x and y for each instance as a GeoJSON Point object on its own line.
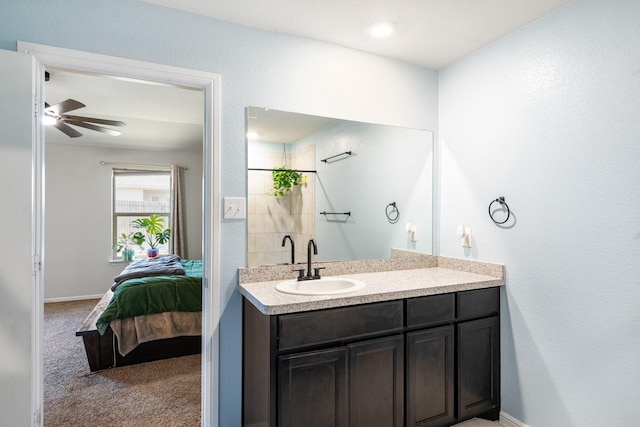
{"type": "Point", "coordinates": [508, 421]}
{"type": "Point", "coordinates": [77, 298]}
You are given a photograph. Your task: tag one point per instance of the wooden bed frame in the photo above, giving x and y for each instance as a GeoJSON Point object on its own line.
{"type": "Point", "coordinates": [102, 350]}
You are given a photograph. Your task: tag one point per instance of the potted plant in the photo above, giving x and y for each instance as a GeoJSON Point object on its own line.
{"type": "Point", "coordinates": [154, 233]}
{"type": "Point", "coordinates": [284, 179]}
{"type": "Point", "coordinates": [123, 243]}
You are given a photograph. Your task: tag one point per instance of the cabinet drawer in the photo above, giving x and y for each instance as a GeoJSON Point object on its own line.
{"type": "Point", "coordinates": [478, 303]}
{"type": "Point", "coordinates": [338, 324]}
{"type": "Point", "coordinates": [430, 310]}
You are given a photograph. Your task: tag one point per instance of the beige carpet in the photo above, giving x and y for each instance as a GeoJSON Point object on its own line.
{"type": "Point", "coordinates": [478, 422]}
{"type": "Point", "coordinates": [158, 394]}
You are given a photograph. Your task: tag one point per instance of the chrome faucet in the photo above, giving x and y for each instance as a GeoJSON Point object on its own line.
{"type": "Point", "coordinates": [316, 270]}
{"type": "Point", "coordinates": [293, 252]}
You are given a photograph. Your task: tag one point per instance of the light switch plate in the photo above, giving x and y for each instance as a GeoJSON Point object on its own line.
{"type": "Point", "coordinates": [235, 208]}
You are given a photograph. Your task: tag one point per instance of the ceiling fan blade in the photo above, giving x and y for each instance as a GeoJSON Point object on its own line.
{"type": "Point", "coordinates": [71, 132]}
{"type": "Point", "coordinates": [64, 106]}
{"type": "Point", "coordinates": [73, 119]}
{"type": "Point", "coordinates": [96, 128]}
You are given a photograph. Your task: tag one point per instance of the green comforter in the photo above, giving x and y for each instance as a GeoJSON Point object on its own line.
{"type": "Point", "coordinates": [149, 295]}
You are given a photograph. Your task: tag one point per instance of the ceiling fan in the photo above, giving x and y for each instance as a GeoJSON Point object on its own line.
{"type": "Point", "coordinates": [56, 116]}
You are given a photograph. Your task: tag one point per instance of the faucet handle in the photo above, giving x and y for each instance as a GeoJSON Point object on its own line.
{"type": "Point", "coordinates": [316, 272]}
{"type": "Point", "coordinates": [300, 272]}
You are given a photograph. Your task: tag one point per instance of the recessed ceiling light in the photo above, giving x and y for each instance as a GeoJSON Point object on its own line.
{"type": "Point", "coordinates": [382, 29]}
{"type": "Point", "coordinates": [252, 135]}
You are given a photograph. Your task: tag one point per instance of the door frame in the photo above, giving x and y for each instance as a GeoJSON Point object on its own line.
{"type": "Point", "coordinates": [209, 83]}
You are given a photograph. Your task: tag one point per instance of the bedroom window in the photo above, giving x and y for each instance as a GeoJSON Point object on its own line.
{"type": "Point", "coordinates": [138, 194]}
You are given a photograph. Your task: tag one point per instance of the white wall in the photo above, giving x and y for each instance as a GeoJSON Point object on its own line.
{"type": "Point", "coordinates": [549, 118]}
{"type": "Point", "coordinates": [78, 214]}
{"type": "Point", "coordinates": [256, 68]}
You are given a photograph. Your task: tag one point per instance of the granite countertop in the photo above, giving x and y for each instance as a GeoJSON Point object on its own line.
{"type": "Point", "coordinates": [381, 286]}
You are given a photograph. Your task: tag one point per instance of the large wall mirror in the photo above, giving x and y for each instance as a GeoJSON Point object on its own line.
{"type": "Point", "coordinates": [362, 188]}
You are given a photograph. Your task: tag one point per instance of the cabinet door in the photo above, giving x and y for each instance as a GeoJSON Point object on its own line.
{"type": "Point", "coordinates": [376, 383]}
{"type": "Point", "coordinates": [430, 377]}
{"type": "Point", "coordinates": [478, 367]}
{"type": "Point", "coordinates": [312, 389]}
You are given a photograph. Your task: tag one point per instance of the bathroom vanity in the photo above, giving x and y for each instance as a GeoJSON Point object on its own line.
{"type": "Point", "coordinates": [416, 347]}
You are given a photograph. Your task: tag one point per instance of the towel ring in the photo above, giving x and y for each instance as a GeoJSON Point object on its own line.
{"type": "Point", "coordinates": [504, 205]}
{"type": "Point", "coordinates": [393, 214]}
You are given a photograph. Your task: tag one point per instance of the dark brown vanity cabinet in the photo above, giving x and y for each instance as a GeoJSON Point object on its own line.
{"type": "Point", "coordinates": [430, 377]}
{"type": "Point", "coordinates": [478, 353]}
{"type": "Point", "coordinates": [427, 361]}
{"type": "Point", "coordinates": [355, 385]}
{"type": "Point", "coordinates": [376, 382]}
{"type": "Point", "coordinates": [453, 358]}
{"type": "Point", "coordinates": [313, 389]}
{"type": "Point", "coordinates": [479, 368]}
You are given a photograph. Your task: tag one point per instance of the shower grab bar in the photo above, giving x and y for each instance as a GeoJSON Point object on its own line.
{"type": "Point", "coordinates": [335, 213]}
{"type": "Point", "coordinates": [347, 153]}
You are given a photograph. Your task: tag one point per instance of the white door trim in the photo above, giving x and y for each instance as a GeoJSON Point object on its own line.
{"type": "Point", "coordinates": [210, 84]}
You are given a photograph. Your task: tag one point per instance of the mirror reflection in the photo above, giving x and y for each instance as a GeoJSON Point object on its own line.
{"type": "Point", "coordinates": [358, 189]}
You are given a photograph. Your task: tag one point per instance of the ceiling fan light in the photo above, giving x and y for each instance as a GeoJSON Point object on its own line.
{"type": "Point", "coordinates": [382, 29]}
{"type": "Point", "coordinates": [48, 120]}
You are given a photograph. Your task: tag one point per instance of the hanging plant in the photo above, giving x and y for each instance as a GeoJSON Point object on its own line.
{"type": "Point", "coordinates": [284, 179]}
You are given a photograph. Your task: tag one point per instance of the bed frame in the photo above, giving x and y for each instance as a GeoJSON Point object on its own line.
{"type": "Point", "coordinates": [102, 350]}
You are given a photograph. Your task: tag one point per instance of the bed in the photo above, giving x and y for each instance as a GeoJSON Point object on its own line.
{"type": "Point", "coordinates": [147, 314]}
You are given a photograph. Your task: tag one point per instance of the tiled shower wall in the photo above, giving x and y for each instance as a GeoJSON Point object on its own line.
{"type": "Point", "coordinates": [270, 218]}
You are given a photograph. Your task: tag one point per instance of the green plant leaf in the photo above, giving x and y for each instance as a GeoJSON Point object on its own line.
{"type": "Point", "coordinates": [153, 235]}
{"type": "Point", "coordinates": [163, 237]}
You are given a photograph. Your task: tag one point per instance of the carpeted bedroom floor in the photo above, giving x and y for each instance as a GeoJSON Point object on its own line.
{"type": "Point", "coordinates": [162, 393]}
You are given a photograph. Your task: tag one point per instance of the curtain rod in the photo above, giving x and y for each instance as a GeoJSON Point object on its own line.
{"type": "Point", "coordinates": [133, 165]}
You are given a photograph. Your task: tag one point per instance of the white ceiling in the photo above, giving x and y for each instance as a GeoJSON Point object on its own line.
{"type": "Point", "coordinates": [431, 33]}
{"type": "Point", "coordinates": [157, 117]}
{"type": "Point", "coordinates": [281, 126]}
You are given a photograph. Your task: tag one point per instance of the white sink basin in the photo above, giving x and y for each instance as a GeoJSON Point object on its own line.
{"type": "Point", "coordinates": [323, 286]}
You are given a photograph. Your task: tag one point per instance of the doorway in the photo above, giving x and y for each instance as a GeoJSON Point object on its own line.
{"type": "Point", "coordinates": [210, 85]}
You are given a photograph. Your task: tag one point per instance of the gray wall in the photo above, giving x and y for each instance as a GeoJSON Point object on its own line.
{"type": "Point", "coordinates": [388, 164]}
{"type": "Point", "coordinates": [256, 68]}
{"type": "Point", "coordinates": [16, 288]}
{"type": "Point", "coordinates": [78, 214]}
{"type": "Point", "coordinates": [549, 118]}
